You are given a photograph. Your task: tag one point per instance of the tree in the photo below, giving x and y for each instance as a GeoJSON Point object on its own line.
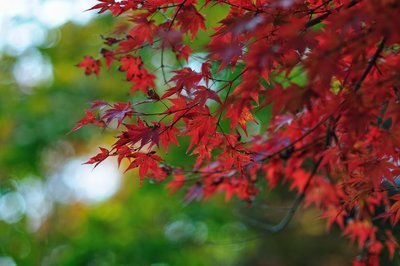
{"type": "Point", "coordinates": [298, 92]}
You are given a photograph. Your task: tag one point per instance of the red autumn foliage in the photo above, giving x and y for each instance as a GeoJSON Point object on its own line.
{"type": "Point", "coordinates": [90, 65]}
{"type": "Point", "coordinates": [328, 71]}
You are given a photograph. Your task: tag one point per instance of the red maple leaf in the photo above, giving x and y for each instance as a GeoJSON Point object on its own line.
{"type": "Point", "coordinates": [360, 231]}
{"type": "Point", "coordinates": [99, 157]}
{"type": "Point", "coordinates": [190, 20]}
{"type": "Point", "coordinates": [176, 183]}
{"type": "Point", "coordinates": [146, 162]}
{"type": "Point", "coordinates": [90, 65]}
{"type": "Point", "coordinates": [131, 65]}
{"type": "Point", "coordinates": [139, 135]}
{"type": "Point", "coordinates": [90, 118]}
{"type": "Point", "coordinates": [144, 31]}
{"type": "Point", "coordinates": [118, 111]}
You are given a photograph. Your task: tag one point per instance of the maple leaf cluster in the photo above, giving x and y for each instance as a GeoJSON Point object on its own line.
{"type": "Point", "coordinates": [334, 135]}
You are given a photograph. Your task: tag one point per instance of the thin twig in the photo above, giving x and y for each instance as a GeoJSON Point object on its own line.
{"type": "Point", "coordinates": [163, 46]}
{"type": "Point", "coordinates": [229, 91]}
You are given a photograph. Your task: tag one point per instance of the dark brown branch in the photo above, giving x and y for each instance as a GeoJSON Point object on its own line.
{"type": "Point", "coordinates": [318, 19]}
{"type": "Point", "coordinates": [300, 138]}
{"type": "Point", "coordinates": [371, 63]}
{"type": "Point", "coordinates": [284, 222]}
{"type": "Point", "coordinates": [296, 203]}
{"type": "Point", "coordinates": [321, 18]}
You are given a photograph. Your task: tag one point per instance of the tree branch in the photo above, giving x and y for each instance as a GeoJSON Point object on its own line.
{"type": "Point", "coordinates": [371, 63]}
{"type": "Point", "coordinates": [291, 210]}
{"type": "Point", "coordinates": [319, 19]}
{"type": "Point", "coordinates": [296, 203]}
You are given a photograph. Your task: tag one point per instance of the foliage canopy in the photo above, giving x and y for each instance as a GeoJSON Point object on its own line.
{"type": "Point", "coordinates": [298, 92]}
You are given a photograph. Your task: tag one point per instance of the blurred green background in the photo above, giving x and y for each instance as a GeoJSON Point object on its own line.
{"type": "Point", "coordinates": [56, 211]}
